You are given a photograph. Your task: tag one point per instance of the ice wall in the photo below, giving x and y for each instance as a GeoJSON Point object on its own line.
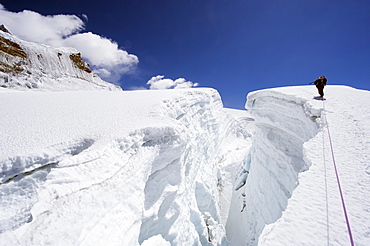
{"type": "Point", "coordinates": [159, 184]}
{"type": "Point", "coordinates": [193, 198]}
{"type": "Point", "coordinates": [270, 173]}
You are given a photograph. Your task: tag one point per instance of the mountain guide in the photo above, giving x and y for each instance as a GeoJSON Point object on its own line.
{"type": "Point", "coordinates": [320, 83]}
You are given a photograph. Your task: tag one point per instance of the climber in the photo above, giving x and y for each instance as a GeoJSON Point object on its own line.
{"type": "Point", "coordinates": [320, 83]}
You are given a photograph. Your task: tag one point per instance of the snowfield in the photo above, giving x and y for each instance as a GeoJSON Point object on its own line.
{"type": "Point", "coordinates": [174, 167]}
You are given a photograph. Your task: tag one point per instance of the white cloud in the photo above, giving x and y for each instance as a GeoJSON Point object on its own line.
{"type": "Point", "coordinates": [32, 26]}
{"type": "Point", "coordinates": [106, 58]}
{"type": "Point", "coordinates": [159, 83]}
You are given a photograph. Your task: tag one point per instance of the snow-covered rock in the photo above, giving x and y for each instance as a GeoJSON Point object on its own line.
{"type": "Point", "coordinates": [27, 65]}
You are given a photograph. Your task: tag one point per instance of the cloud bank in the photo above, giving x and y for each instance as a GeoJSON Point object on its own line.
{"type": "Point", "coordinates": [103, 54]}
{"type": "Point", "coordinates": [159, 83]}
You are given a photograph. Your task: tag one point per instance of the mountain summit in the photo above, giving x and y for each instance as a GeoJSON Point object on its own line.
{"type": "Point", "coordinates": [27, 65]}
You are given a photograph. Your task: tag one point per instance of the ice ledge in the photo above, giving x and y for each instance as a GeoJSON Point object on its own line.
{"type": "Point", "coordinates": [284, 121]}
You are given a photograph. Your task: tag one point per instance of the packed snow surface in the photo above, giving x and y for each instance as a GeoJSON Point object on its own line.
{"type": "Point", "coordinates": [174, 167]}
{"type": "Point", "coordinates": [289, 182]}
{"type": "Point", "coordinates": [314, 214]}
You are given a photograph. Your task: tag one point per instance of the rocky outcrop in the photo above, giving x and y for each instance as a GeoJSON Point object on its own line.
{"type": "Point", "coordinates": [77, 60]}
{"type": "Point", "coordinates": [11, 48]}
{"type": "Point", "coordinates": [3, 28]}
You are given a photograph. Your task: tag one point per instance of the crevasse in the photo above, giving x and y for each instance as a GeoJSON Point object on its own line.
{"type": "Point", "coordinates": [269, 174]}
{"type": "Point", "coordinates": [204, 126]}
{"type": "Point", "coordinates": [160, 183]}
{"type": "Point", "coordinates": [176, 178]}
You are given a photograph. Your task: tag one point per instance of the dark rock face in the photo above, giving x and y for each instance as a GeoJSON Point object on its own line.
{"type": "Point", "coordinates": [3, 28]}
{"type": "Point", "coordinates": [77, 60]}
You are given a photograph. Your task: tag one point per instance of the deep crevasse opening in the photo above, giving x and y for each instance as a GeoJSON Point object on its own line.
{"type": "Point", "coordinates": [206, 127]}
{"type": "Point", "coordinates": [269, 174]}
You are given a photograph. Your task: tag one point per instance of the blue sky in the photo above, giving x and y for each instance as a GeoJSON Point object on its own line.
{"type": "Point", "coordinates": [232, 46]}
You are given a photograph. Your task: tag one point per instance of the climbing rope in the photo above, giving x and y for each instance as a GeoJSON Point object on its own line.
{"type": "Point", "coordinates": [326, 190]}
{"type": "Point", "coordinates": [338, 182]}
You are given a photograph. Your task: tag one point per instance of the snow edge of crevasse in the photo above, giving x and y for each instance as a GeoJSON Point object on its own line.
{"type": "Point", "coordinates": [158, 184]}
{"type": "Point", "coordinates": [270, 174]}
{"type": "Point", "coordinates": [210, 131]}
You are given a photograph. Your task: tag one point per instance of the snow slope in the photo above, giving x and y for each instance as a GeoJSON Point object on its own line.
{"type": "Point", "coordinates": [282, 185]}
{"type": "Point", "coordinates": [314, 215]}
{"type": "Point", "coordinates": [174, 167]}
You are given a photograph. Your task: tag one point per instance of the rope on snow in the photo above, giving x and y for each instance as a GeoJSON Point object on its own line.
{"type": "Point", "coordinates": [338, 182]}
{"type": "Point", "coordinates": [326, 189]}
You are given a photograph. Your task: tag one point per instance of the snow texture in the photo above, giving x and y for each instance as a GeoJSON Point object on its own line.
{"type": "Point", "coordinates": [99, 167]}
{"type": "Point", "coordinates": [314, 214]}
{"type": "Point", "coordinates": [286, 192]}
{"type": "Point", "coordinates": [173, 167]}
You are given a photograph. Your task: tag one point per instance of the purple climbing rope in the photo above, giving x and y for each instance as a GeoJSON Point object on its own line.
{"type": "Point", "coordinates": [339, 186]}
